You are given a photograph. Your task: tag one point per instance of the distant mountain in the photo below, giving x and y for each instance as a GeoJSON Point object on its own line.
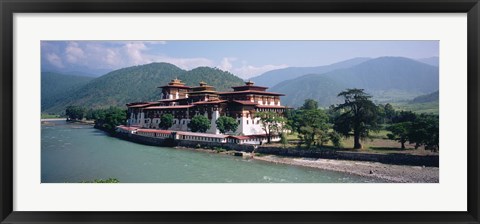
{"type": "Point", "coordinates": [55, 86]}
{"type": "Point", "coordinates": [320, 88]}
{"type": "Point", "coordinates": [432, 97]}
{"type": "Point", "coordinates": [139, 83]}
{"type": "Point", "coordinates": [271, 78]}
{"type": "Point", "coordinates": [435, 61]}
{"type": "Point", "coordinates": [386, 78]}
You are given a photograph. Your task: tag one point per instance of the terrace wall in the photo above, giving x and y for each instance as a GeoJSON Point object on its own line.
{"type": "Point", "coordinates": [394, 158]}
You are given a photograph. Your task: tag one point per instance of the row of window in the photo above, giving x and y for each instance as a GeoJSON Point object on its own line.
{"type": "Point", "coordinates": [198, 138]}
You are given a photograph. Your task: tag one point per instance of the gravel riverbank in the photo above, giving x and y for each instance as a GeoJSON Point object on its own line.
{"type": "Point", "coordinates": [389, 173]}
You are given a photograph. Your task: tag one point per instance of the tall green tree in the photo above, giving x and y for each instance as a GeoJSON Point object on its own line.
{"type": "Point", "coordinates": [400, 132]}
{"type": "Point", "coordinates": [199, 123]}
{"type": "Point", "coordinates": [272, 123]}
{"type": "Point", "coordinates": [110, 118]}
{"type": "Point", "coordinates": [166, 121]}
{"type": "Point", "coordinates": [425, 131]}
{"type": "Point", "coordinates": [312, 126]}
{"type": "Point", "coordinates": [390, 112]}
{"type": "Point", "coordinates": [75, 112]}
{"type": "Point", "coordinates": [358, 115]}
{"type": "Point", "coordinates": [226, 124]}
{"type": "Point", "coordinates": [309, 104]}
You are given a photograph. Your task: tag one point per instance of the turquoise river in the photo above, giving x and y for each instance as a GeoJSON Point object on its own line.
{"type": "Point", "coordinates": [73, 153]}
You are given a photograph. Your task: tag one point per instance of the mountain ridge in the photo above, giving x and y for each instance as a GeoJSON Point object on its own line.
{"type": "Point", "coordinates": [139, 83]}
{"type": "Point", "coordinates": [386, 77]}
{"type": "Point", "coordinates": [273, 77]}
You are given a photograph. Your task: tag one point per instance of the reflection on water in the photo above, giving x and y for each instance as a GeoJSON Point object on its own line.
{"type": "Point", "coordinates": [74, 153]}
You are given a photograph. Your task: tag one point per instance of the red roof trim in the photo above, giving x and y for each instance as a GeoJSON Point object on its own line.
{"type": "Point", "coordinates": [127, 128]}
{"type": "Point", "coordinates": [169, 107]}
{"type": "Point", "coordinates": [263, 87]}
{"type": "Point", "coordinates": [270, 106]}
{"type": "Point", "coordinates": [209, 102]}
{"type": "Point", "coordinates": [251, 91]}
{"type": "Point", "coordinates": [154, 131]}
{"type": "Point", "coordinates": [174, 86]}
{"type": "Point", "coordinates": [140, 105]}
{"type": "Point", "coordinates": [245, 102]}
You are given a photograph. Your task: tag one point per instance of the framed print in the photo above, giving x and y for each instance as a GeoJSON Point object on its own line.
{"type": "Point", "coordinates": [246, 112]}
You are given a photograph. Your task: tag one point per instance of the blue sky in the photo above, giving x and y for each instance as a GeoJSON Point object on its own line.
{"type": "Point", "coordinates": [243, 58]}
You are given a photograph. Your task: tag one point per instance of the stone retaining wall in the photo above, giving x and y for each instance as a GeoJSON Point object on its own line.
{"type": "Point", "coordinates": [397, 159]}
{"type": "Point", "coordinates": [394, 158]}
{"type": "Point", "coordinates": [183, 143]}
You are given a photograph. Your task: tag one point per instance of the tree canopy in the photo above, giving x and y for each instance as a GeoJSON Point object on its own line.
{"type": "Point", "coordinates": [199, 123]}
{"type": "Point", "coordinates": [311, 124]}
{"type": "Point", "coordinates": [309, 104]}
{"type": "Point", "coordinates": [358, 114]}
{"type": "Point", "coordinates": [272, 123]}
{"type": "Point", "coordinates": [75, 112]}
{"type": "Point", "coordinates": [226, 124]}
{"type": "Point", "coordinates": [166, 121]}
{"type": "Point", "coordinates": [109, 119]}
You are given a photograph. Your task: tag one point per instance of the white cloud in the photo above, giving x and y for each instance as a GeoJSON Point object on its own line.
{"type": "Point", "coordinates": [134, 52]}
{"type": "Point", "coordinates": [73, 52]}
{"type": "Point", "coordinates": [120, 54]}
{"type": "Point", "coordinates": [249, 71]}
{"type": "Point", "coordinates": [226, 64]}
{"type": "Point", "coordinates": [55, 60]}
{"type": "Point", "coordinates": [185, 63]}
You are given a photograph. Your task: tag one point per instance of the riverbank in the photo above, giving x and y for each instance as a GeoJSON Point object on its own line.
{"type": "Point", "coordinates": [387, 172]}
{"type": "Point", "coordinates": [399, 169]}
{"type": "Point", "coordinates": [53, 119]}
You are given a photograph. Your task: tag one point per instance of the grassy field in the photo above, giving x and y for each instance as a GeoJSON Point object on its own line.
{"type": "Point", "coordinates": [378, 143]}
{"type": "Point", "coordinates": [49, 116]}
{"type": "Point", "coordinates": [431, 107]}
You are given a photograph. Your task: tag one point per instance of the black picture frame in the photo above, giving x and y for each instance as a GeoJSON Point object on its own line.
{"type": "Point", "coordinates": [9, 7]}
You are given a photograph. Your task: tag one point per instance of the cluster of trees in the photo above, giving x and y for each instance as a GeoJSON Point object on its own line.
{"type": "Point", "coordinates": [106, 119]}
{"type": "Point", "coordinates": [357, 117]}
{"type": "Point", "coordinates": [75, 113]}
{"type": "Point", "coordinates": [200, 123]}
{"type": "Point", "coordinates": [110, 118]}
{"type": "Point", "coordinates": [418, 129]}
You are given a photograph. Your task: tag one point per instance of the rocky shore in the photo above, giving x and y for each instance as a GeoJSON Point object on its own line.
{"type": "Point", "coordinates": [389, 173]}
{"type": "Point", "coordinates": [386, 172]}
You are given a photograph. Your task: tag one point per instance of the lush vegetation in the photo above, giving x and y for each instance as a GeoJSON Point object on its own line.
{"type": "Point", "coordinates": [75, 113]}
{"type": "Point", "coordinates": [271, 123]}
{"type": "Point", "coordinates": [110, 118]}
{"type": "Point", "coordinates": [106, 119]}
{"type": "Point", "coordinates": [310, 123]}
{"type": "Point", "coordinates": [432, 97]}
{"type": "Point", "coordinates": [55, 86]}
{"type": "Point", "coordinates": [199, 123]}
{"type": "Point", "coordinates": [360, 118]}
{"type": "Point", "coordinates": [166, 121]}
{"type": "Point", "coordinates": [226, 124]}
{"type": "Point", "coordinates": [358, 114]}
{"type": "Point", "coordinates": [49, 116]}
{"type": "Point", "coordinates": [137, 83]}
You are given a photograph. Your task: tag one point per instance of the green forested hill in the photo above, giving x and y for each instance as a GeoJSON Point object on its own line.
{"type": "Point", "coordinates": [139, 83]}
{"type": "Point", "coordinates": [432, 97]}
{"type": "Point", "coordinates": [54, 86]}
